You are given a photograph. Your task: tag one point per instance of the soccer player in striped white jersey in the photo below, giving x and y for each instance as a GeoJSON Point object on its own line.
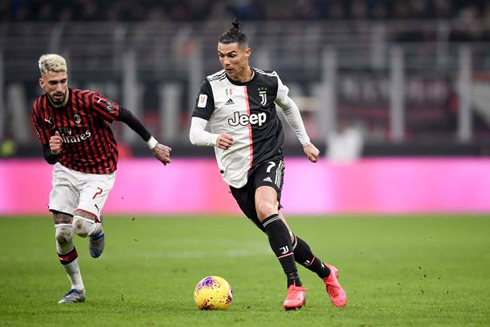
{"type": "Point", "coordinates": [238, 104]}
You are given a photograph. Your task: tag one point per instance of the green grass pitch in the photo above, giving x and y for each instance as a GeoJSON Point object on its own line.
{"type": "Point", "coordinates": [397, 271]}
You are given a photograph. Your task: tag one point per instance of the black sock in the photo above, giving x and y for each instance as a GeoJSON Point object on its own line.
{"type": "Point", "coordinates": [304, 256]}
{"type": "Point", "coordinates": [281, 245]}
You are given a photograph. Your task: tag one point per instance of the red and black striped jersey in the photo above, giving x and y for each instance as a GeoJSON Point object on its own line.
{"type": "Point", "coordinates": [89, 145]}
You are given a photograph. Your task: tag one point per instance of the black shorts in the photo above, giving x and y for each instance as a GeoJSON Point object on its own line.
{"type": "Point", "coordinates": [270, 173]}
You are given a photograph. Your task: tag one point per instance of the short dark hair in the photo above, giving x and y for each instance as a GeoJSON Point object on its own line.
{"type": "Point", "coordinates": [234, 35]}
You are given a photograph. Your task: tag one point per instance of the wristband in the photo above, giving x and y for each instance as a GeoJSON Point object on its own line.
{"type": "Point", "coordinates": [152, 143]}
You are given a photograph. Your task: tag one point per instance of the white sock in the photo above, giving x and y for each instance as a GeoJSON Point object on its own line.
{"type": "Point", "coordinates": [68, 254]}
{"type": "Point", "coordinates": [74, 275]}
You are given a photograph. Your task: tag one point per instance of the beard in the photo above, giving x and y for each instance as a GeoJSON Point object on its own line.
{"type": "Point", "coordinates": [58, 99]}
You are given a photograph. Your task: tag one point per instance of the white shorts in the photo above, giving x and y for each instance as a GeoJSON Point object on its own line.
{"type": "Point", "coordinates": [74, 190]}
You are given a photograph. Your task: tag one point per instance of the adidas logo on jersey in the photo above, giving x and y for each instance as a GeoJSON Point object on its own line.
{"type": "Point", "coordinates": [230, 101]}
{"type": "Point", "coordinates": [268, 179]}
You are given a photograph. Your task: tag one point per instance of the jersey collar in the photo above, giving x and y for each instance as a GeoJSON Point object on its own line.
{"type": "Point", "coordinates": [254, 74]}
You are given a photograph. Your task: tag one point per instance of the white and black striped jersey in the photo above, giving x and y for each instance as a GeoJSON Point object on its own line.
{"type": "Point", "coordinates": [246, 111]}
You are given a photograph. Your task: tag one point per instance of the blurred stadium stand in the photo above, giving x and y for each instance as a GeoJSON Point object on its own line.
{"type": "Point", "coordinates": [411, 77]}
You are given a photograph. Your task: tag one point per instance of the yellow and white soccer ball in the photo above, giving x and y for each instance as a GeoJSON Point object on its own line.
{"type": "Point", "coordinates": [213, 293]}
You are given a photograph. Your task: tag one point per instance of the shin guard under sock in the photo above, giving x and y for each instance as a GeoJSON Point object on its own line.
{"type": "Point", "coordinates": [280, 243]}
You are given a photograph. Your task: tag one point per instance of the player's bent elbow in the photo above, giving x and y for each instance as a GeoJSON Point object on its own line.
{"type": "Point", "coordinates": [51, 159]}
{"type": "Point", "coordinates": [194, 137]}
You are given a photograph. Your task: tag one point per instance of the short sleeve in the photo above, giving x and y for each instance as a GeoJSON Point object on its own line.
{"type": "Point", "coordinates": [204, 107]}
{"type": "Point", "coordinates": [108, 109]}
{"type": "Point", "coordinates": [282, 92]}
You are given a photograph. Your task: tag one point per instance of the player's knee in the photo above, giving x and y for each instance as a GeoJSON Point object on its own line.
{"type": "Point", "coordinates": [265, 209]}
{"type": "Point", "coordinates": [63, 234]}
{"type": "Point", "coordinates": [82, 226]}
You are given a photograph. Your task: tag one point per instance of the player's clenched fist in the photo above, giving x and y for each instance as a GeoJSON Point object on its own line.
{"type": "Point", "coordinates": [224, 141]}
{"type": "Point", "coordinates": [311, 152]}
{"type": "Point", "coordinates": [55, 143]}
{"type": "Point", "coordinates": [162, 153]}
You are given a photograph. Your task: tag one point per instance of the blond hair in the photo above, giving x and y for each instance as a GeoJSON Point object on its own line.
{"type": "Point", "coordinates": [52, 63]}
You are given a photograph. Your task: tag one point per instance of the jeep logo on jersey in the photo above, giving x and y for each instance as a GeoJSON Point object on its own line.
{"type": "Point", "coordinates": [244, 119]}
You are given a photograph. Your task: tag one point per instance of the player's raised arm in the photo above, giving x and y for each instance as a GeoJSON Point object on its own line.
{"type": "Point", "coordinates": [160, 151]}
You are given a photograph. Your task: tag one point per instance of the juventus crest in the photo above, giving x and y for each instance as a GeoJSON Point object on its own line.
{"type": "Point", "coordinates": [263, 95]}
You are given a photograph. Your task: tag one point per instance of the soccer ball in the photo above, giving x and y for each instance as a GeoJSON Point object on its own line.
{"type": "Point", "coordinates": [213, 293]}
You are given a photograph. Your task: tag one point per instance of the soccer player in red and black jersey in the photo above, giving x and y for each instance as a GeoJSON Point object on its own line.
{"type": "Point", "coordinates": [74, 129]}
